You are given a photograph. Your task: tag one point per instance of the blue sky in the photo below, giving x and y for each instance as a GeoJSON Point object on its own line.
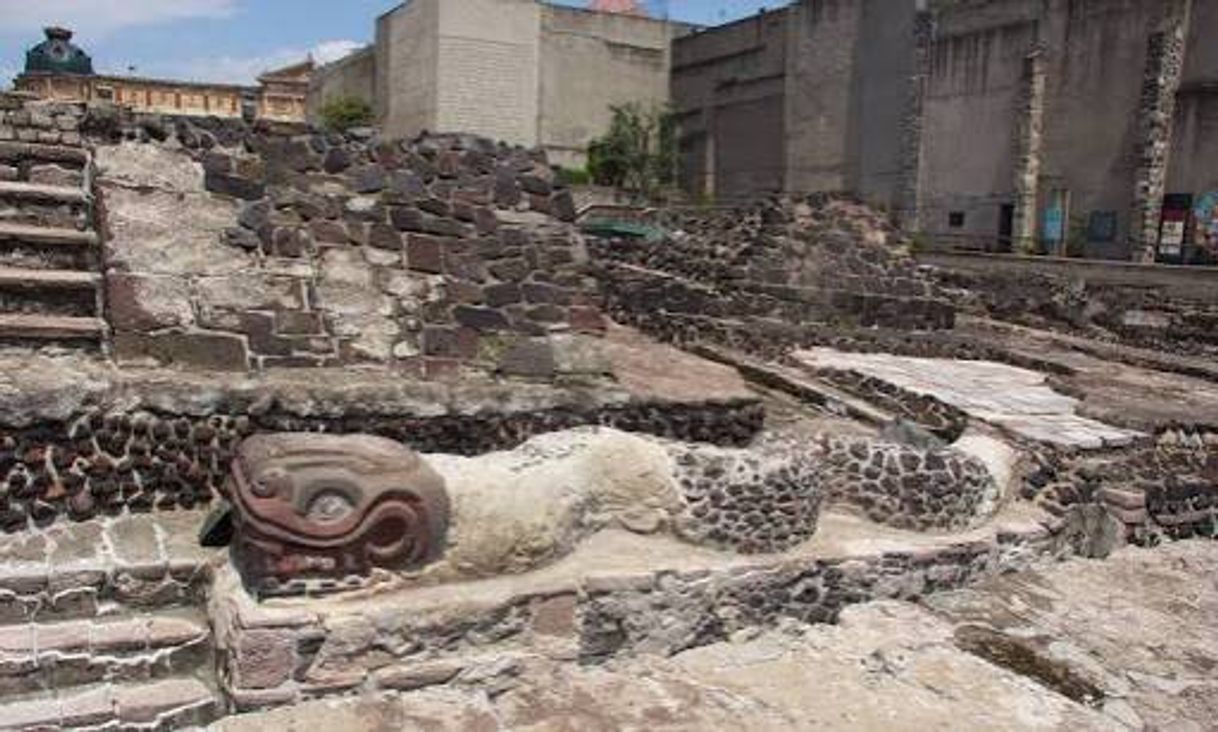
{"type": "Point", "coordinates": [233, 40]}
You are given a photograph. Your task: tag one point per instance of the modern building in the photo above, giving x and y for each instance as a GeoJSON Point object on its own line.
{"type": "Point", "coordinates": [57, 69]}
{"type": "Point", "coordinates": [520, 71]}
{"type": "Point", "coordinates": [811, 97]}
{"type": "Point", "coordinates": [1082, 127]}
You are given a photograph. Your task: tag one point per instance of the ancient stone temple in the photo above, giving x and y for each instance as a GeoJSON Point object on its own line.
{"type": "Point", "coordinates": [293, 420]}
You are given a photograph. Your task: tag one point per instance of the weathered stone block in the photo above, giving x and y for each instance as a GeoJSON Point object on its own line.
{"type": "Point", "coordinates": [562, 205]}
{"type": "Point", "coordinates": [480, 318]}
{"type": "Point", "coordinates": [329, 232]}
{"type": "Point", "coordinates": [336, 161]}
{"type": "Point", "coordinates": [144, 303]}
{"type": "Point", "coordinates": [383, 236]}
{"type": "Point", "coordinates": [211, 351]}
{"type": "Point", "coordinates": [450, 342]}
{"type": "Point", "coordinates": [230, 185]}
{"type": "Point", "coordinates": [368, 179]}
{"type": "Point", "coordinates": [532, 357]}
{"type": "Point", "coordinates": [502, 294]}
{"type": "Point", "coordinates": [555, 616]}
{"type": "Point", "coordinates": [265, 659]}
{"type": "Point", "coordinates": [425, 253]}
{"type": "Point", "coordinates": [251, 291]}
{"type": "Point", "coordinates": [509, 270]}
{"type": "Point", "coordinates": [297, 323]}
{"type": "Point", "coordinates": [217, 163]}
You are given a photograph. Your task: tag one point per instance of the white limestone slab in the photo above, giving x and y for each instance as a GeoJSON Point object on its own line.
{"type": "Point", "coordinates": [1016, 399]}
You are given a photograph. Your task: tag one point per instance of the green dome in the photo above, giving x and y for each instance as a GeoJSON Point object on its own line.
{"type": "Point", "coordinates": [57, 55]}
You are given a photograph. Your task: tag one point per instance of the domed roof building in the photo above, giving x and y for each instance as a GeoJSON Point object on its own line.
{"type": "Point", "coordinates": [58, 55]}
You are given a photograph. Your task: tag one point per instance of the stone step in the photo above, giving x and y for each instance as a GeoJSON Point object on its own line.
{"type": "Point", "coordinates": [22, 278]}
{"type": "Point", "coordinates": [54, 292]}
{"type": "Point", "coordinates": [16, 153]}
{"type": "Point", "coordinates": [44, 205]}
{"type": "Point", "coordinates": [102, 568]}
{"type": "Point", "coordinates": [47, 236]}
{"type": "Point", "coordinates": [36, 657]}
{"type": "Point", "coordinates": [167, 704]}
{"type": "Point", "coordinates": [42, 194]}
{"type": "Point", "coordinates": [22, 326]}
{"type": "Point", "coordinates": [35, 247]}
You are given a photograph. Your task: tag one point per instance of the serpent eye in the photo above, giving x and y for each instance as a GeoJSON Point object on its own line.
{"type": "Point", "coordinates": [329, 506]}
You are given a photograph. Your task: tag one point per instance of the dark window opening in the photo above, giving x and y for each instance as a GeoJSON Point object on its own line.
{"type": "Point", "coordinates": [955, 219]}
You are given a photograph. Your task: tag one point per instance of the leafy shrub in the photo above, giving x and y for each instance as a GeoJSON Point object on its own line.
{"type": "Point", "coordinates": [343, 113]}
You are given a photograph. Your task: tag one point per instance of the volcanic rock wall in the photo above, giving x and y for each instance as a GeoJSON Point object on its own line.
{"type": "Point", "coordinates": [769, 276]}
{"type": "Point", "coordinates": [235, 248]}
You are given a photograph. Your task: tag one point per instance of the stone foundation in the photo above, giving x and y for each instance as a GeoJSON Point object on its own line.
{"type": "Point", "coordinates": [288, 651]}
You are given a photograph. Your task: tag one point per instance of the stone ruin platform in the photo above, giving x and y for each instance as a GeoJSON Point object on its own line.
{"type": "Point", "coordinates": [618, 595]}
{"type": "Point", "coordinates": [1013, 399]}
{"type": "Point", "coordinates": [1126, 643]}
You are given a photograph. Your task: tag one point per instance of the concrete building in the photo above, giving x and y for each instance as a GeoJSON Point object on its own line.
{"type": "Point", "coordinates": [809, 97]}
{"type": "Point", "coordinates": [521, 71]}
{"type": "Point", "coordinates": [56, 69]}
{"type": "Point", "coordinates": [1082, 127]}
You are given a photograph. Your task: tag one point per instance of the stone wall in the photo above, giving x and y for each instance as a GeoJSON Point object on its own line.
{"type": "Point", "coordinates": [80, 440]}
{"type": "Point", "coordinates": [1156, 492]}
{"type": "Point", "coordinates": [250, 250]}
{"type": "Point", "coordinates": [48, 124]}
{"type": "Point", "coordinates": [769, 276]}
{"type": "Point", "coordinates": [1165, 308]}
{"type": "Point", "coordinates": [281, 655]}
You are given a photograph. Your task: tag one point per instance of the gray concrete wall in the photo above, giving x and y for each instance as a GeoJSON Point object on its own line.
{"type": "Point", "coordinates": [885, 65]}
{"type": "Point", "coordinates": [487, 74]}
{"type": "Point", "coordinates": [820, 111]}
{"type": "Point", "coordinates": [729, 91]}
{"type": "Point", "coordinates": [1193, 167]}
{"type": "Point", "coordinates": [969, 126]}
{"type": "Point", "coordinates": [1098, 56]}
{"type": "Point", "coordinates": [590, 62]}
{"type": "Point", "coordinates": [407, 62]}
{"type": "Point", "coordinates": [1095, 58]}
{"type": "Point", "coordinates": [353, 76]}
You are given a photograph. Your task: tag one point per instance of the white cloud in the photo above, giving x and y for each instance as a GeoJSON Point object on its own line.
{"type": "Point", "coordinates": [95, 18]}
{"type": "Point", "coordinates": [243, 69]}
{"type": "Point", "coordinates": [329, 51]}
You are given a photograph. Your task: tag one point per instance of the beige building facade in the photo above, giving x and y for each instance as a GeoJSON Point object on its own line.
{"type": "Point", "coordinates": [520, 71]}
{"type": "Point", "coordinates": [59, 71]}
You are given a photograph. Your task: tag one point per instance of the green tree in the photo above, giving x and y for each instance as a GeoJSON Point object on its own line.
{"type": "Point", "coordinates": [343, 113]}
{"type": "Point", "coordinates": [638, 153]}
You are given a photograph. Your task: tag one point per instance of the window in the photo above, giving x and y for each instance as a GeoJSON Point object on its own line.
{"type": "Point", "coordinates": [955, 219]}
{"type": "Point", "coordinates": [105, 93]}
{"type": "Point", "coordinates": [1102, 226]}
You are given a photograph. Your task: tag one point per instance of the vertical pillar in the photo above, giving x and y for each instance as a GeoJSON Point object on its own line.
{"type": "Point", "coordinates": [909, 191]}
{"type": "Point", "coordinates": [1160, 82]}
{"type": "Point", "coordinates": [1029, 144]}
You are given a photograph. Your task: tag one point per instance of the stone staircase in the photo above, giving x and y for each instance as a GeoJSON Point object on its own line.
{"type": "Point", "coordinates": [101, 626]}
{"type": "Point", "coordinates": [51, 287]}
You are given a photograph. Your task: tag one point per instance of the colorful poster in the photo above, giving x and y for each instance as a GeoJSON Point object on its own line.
{"type": "Point", "coordinates": [1206, 215]}
{"type": "Point", "coordinates": [1053, 225]}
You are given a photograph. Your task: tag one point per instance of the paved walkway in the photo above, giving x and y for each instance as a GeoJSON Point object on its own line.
{"type": "Point", "coordinates": [1016, 399]}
